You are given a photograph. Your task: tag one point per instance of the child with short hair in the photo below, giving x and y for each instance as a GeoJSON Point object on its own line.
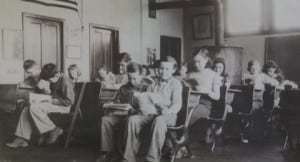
{"type": "Point", "coordinates": [161, 112]}
{"type": "Point", "coordinates": [32, 70]}
{"type": "Point", "coordinates": [106, 78]}
{"type": "Point", "coordinates": [74, 73]}
{"type": "Point", "coordinates": [253, 70]}
{"type": "Point", "coordinates": [63, 97]}
{"type": "Point", "coordinates": [124, 96]}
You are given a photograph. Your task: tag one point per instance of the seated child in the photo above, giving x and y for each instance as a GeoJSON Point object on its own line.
{"type": "Point", "coordinates": [207, 82]}
{"type": "Point", "coordinates": [106, 78]}
{"type": "Point", "coordinates": [268, 76]}
{"type": "Point", "coordinates": [74, 73]}
{"type": "Point", "coordinates": [124, 96]}
{"type": "Point", "coordinates": [161, 107]}
{"type": "Point", "coordinates": [32, 70]}
{"type": "Point", "coordinates": [36, 115]}
{"type": "Point", "coordinates": [253, 70]}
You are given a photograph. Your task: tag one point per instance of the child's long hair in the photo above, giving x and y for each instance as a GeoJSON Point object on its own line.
{"type": "Point", "coordinates": [220, 60]}
{"type": "Point", "coordinates": [48, 71]}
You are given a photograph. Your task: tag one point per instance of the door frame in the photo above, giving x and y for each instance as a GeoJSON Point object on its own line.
{"type": "Point", "coordinates": [181, 47]}
{"type": "Point", "coordinates": [116, 49]}
{"type": "Point", "coordinates": [63, 34]}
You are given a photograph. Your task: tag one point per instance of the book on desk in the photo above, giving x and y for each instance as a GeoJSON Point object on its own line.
{"type": "Point", "coordinates": [116, 109]}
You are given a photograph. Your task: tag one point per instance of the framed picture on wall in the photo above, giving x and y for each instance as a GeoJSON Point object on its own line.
{"type": "Point", "coordinates": [202, 26]}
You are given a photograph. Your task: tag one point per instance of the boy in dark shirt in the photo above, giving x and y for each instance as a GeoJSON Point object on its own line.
{"type": "Point", "coordinates": [124, 96]}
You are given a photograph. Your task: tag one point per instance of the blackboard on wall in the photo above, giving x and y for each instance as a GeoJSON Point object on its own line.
{"type": "Point", "coordinates": [285, 51]}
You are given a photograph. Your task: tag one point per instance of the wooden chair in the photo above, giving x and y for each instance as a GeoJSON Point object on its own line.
{"type": "Point", "coordinates": [290, 115]}
{"type": "Point", "coordinates": [218, 114]}
{"type": "Point", "coordinates": [181, 139]}
{"type": "Point", "coordinates": [8, 97]}
{"type": "Point", "coordinates": [271, 97]}
{"type": "Point", "coordinates": [242, 106]}
{"type": "Point", "coordinates": [75, 112]}
{"type": "Point", "coordinates": [8, 117]}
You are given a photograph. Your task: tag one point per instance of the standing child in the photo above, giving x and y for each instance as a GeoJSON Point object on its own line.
{"type": "Point", "coordinates": [158, 109]}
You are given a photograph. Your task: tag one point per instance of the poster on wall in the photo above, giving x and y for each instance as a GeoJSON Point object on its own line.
{"type": "Point", "coordinates": [12, 43]}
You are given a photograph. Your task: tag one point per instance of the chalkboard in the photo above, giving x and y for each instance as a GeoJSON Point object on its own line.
{"type": "Point", "coordinates": [285, 51]}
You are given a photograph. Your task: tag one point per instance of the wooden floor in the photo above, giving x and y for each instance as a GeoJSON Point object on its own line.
{"type": "Point", "coordinates": [232, 152]}
{"type": "Point", "coordinates": [267, 149]}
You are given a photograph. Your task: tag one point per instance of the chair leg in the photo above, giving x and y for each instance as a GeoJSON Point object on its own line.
{"type": "Point", "coordinates": [285, 142]}
{"type": "Point", "coordinates": [190, 154]}
{"type": "Point", "coordinates": [70, 131]}
{"type": "Point", "coordinates": [175, 154]}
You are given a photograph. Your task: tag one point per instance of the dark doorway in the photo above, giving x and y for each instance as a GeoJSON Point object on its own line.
{"type": "Point", "coordinates": [170, 46]}
{"type": "Point", "coordinates": [104, 48]}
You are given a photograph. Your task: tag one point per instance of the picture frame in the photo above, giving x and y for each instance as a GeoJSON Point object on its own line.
{"type": "Point", "coordinates": [202, 26]}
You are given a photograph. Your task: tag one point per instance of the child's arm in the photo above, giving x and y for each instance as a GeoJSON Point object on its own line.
{"type": "Point", "coordinates": [215, 92]}
{"type": "Point", "coordinates": [68, 94]}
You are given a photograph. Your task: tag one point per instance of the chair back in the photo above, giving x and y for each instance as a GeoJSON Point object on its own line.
{"type": "Point", "coordinates": [183, 114]}
{"type": "Point", "coordinates": [218, 107]}
{"type": "Point", "coordinates": [79, 90]}
{"type": "Point", "coordinates": [289, 114]}
{"type": "Point", "coordinates": [290, 98]}
{"type": "Point", "coordinates": [90, 102]}
{"type": "Point", "coordinates": [8, 97]}
{"type": "Point", "coordinates": [242, 103]}
{"type": "Point", "coordinates": [269, 97]}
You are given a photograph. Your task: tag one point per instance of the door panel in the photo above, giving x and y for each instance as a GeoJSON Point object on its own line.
{"type": "Point", "coordinates": [33, 41]}
{"type": "Point", "coordinates": [43, 40]}
{"type": "Point", "coordinates": [170, 46]}
{"type": "Point", "coordinates": [51, 50]}
{"type": "Point", "coordinates": [101, 48]}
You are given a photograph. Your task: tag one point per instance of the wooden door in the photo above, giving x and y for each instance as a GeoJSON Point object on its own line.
{"type": "Point", "coordinates": [43, 40]}
{"type": "Point", "coordinates": [170, 46]}
{"type": "Point", "coordinates": [103, 49]}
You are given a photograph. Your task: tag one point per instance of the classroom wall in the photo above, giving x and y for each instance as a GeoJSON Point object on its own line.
{"type": "Point", "coordinates": [137, 31]}
{"type": "Point", "coordinates": [253, 45]}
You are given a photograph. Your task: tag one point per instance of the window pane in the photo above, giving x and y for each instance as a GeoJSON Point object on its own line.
{"type": "Point", "coordinates": [286, 14]}
{"type": "Point", "coordinates": [243, 16]}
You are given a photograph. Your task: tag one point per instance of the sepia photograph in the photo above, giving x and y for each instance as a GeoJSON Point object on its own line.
{"type": "Point", "coordinates": [149, 81]}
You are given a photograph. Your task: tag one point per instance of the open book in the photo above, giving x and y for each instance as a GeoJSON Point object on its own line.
{"type": "Point", "coordinates": [124, 107]}
{"type": "Point", "coordinates": [35, 98]}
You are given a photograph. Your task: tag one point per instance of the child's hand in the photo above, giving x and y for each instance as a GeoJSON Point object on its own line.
{"type": "Point", "coordinates": [54, 101]}
{"type": "Point", "coordinates": [164, 111]}
{"type": "Point", "coordinates": [161, 108]}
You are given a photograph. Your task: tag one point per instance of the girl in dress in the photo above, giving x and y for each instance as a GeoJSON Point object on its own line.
{"type": "Point", "coordinates": [205, 81]}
